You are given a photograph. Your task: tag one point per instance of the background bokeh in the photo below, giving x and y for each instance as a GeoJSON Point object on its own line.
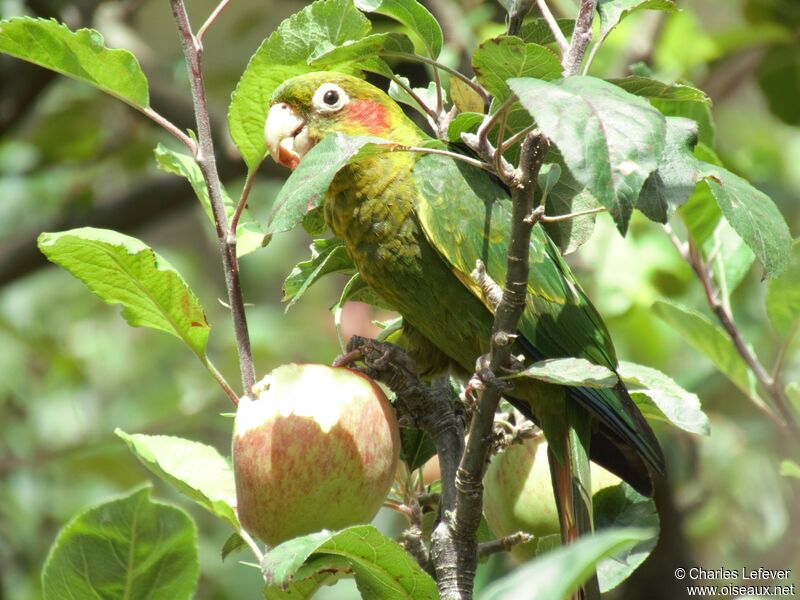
{"type": "Point", "coordinates": [71, 370]}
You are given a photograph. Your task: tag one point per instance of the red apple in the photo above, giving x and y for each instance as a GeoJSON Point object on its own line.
{"type": "Point", "coordinates": [518, 495]}
{"type": "Point", "coordinates": [318, 449]}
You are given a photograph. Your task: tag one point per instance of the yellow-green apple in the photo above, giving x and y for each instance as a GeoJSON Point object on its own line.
{"type": "Point", "coordinates": [317, 449]}
{"type": "Point", "coordinates": [518, 495]}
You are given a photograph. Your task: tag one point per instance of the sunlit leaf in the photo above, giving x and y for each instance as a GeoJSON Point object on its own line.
{"type": "Point", "coordinates": [131, 548]}
{"type": "Point", "coordinates": [658, 397]}
{"type": "Point", "coordinates": [708, 339]}
{"type": "Point", "coordinates": [610, 140]}
{"type": "Point", "coordinates": [306, 187]}
{"type": "Point", "coordinates": [414, 16]}
{"type": "Point", "coordinates": [358, 50]}
{"type": "Point", "coordinates": [196, 470]}
{"type": "Point", "coordinates": [557, 574]}
{"type": "Point", "coordinates": [622, 506]}
{"type": "Point", "coordinates": [613, 11]}
{"type": "Point", "coordinates": [382, 568]}
{"type": "Point", "coordinates": [249, 236]}
{"type": "Point", "coordinates": [327, 256]}
{"type": "Point", "coordinates": [753, 215]}
{"type": "Point", "coordinates": [502, 58]}
{"type": "Point", "coordinates": [676, 177]}
{"type": "Point", "coordinates": [81, 55]}
{"type": "Point", "coordinates": [572, 372]}
{"type": "Point", "coordinates": [122, 270]}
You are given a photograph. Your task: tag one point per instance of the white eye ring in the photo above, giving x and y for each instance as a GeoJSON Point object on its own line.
{"type": "Point", "coordinates": [329, 98]}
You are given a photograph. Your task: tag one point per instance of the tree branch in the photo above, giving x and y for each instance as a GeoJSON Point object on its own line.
{"type": "Point", "coordinates": [454, 541]}
{"type": "Point", "coordinates": [581, 37]}
{"type": "Point", "coordinates": [504, 544]}
{"type": "Point", "coordinates": [771, 384]}
{"type": "Point", "coordinates": [548, 17]}
{"type": "Point", "coordinates": [206, 160]}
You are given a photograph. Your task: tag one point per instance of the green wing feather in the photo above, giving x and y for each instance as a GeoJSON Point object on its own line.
{"type": "Point", "coordinates": [466, 216]}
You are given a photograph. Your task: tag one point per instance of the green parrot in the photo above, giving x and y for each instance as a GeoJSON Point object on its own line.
{"type": "Point", "coordinates": [415, 225]}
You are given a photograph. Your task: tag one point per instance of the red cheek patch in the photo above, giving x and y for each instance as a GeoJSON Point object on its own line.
{"type": "Point", "coordinates": [372, 116]}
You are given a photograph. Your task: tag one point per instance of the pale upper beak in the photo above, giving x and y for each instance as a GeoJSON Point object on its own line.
{"type": "Point", "coordinates": [286, 135]}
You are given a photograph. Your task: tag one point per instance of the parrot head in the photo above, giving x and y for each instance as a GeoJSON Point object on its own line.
{"type": "Point", "coordinates": [309, 107]}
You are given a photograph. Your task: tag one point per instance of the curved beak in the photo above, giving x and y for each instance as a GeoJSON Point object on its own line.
{"type": "Point", "coordinates": [286, 135]}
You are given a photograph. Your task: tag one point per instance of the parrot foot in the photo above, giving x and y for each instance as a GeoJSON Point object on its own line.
{"type": "Point", "coordinates": [483, 378]}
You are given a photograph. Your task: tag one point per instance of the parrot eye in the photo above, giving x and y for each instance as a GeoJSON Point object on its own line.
{"type": "Point", "coordinates": [329, 98]}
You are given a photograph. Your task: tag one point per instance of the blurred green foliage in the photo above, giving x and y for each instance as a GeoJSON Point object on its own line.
{"type": "Point", "coordinates": [71, 370]}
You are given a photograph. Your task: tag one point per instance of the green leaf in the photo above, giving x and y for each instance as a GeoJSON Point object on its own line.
{"type": "Point", "coordinates": [383, 569]}
{"type": "Point", "coordinates": [537, 31]}
{"type": "Point", "coordinates": [327, 256]}
{"type": "Point", "coordinates": [789, 468]}
{"type": "Point", "coordinates": [622, 506]}
{"type": "Point", "coordinates": [81, 55]}
{"type": "Point", "coordinates": [196, 470]}
{"type": "Point", "coordinates": [505, 57]}
{"type": "Point", "coordinates": [753, 215]}
{"type": "Point", "coordinates": [414, 16]}
{"type": "Point", "coordinates": [234, 543]}
{"type": "Point", "coordinates": [658, 397]}
{"type": "Point", "coordinates": [700, 214]}
{"type": "Point", "coordinates": [676, 177]}
{"type": "Point", "coordinates": [358, 50]}
{"type": "Point", "coordinates": [466, 99]}
{"type": "Point", "coordinates": [783, 296]}
{"type": "Point", "coordinates": [123, 270]}
{"type": "Point", "coordinates": [557, 574]}
{"type": "Point", "coordinates": [570, 371]}
{"type": "Point", "coordinates": [249, 236]}
{"type": "Point", "coordinates": [613, 11]}
{"type": "Point", "coordinates": [674, 100]}
{"type": "Point", "coordinates": [654, 89]}
{"type": "Point", "coordinates": [708, 339]}
{"type": "Point", "coordinates": [316, 572]}
{"type": "Point", "coordinates": [463, 123]}
{"type": "Point", "coordinates": [565, 197]}
{"type": "Point", "coordinates": [426, 95]}
{"type": "Point", "coordinates": [284, 54]}
{"type": "Point", "coordinates": [307, 185]}
{"type": "Point", "coordinates": [610, 140]}
{"type": "Point", "coordinates": [732, 258]}
{"type": "Point", "coordinates": [416, 447]}
{"type": "Point", "coordinates": [778, 77]}
{"type": "Point", "coordinates": [131, 548]}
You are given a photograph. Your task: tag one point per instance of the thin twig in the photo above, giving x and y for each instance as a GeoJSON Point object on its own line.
{"type": "Point", "coordinates": [519, 136]}
{"type": "Point", "coordinates": [780, 359]}
{"type": "Point", "coordinates": [206, 160]}
{"type": "Point", "coordinates": [229, 392]}
{"type": "Point", "coordinates": [454, 544]}
{"type": "Point", "coordinates": [771, 384]}
{"type": "Point", "coordinates": [201, 33]}
{"type": "Point", "coordinates": [431, 114]}
{"type": "Point", "coordinates": [581, 37]}
{"type": "Point", "coordinates": [548, 17]}
{"type": "Point", "coordinates": [171, 128]}
{"type": "Point", "coordinates": [454, 72]}
{"type": "Point", "coordinates": [253, 546]}
{"type": "Point", "coordinates": [240, 206]}
{"type": "Point", "coordinates": [504, 544]}
{"type": "Point", "coordinates": [454, 155]}
{"type": "Point", "coordinates": [437, 80]}
{"type": "Point", "coordinates": [580, 213]}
